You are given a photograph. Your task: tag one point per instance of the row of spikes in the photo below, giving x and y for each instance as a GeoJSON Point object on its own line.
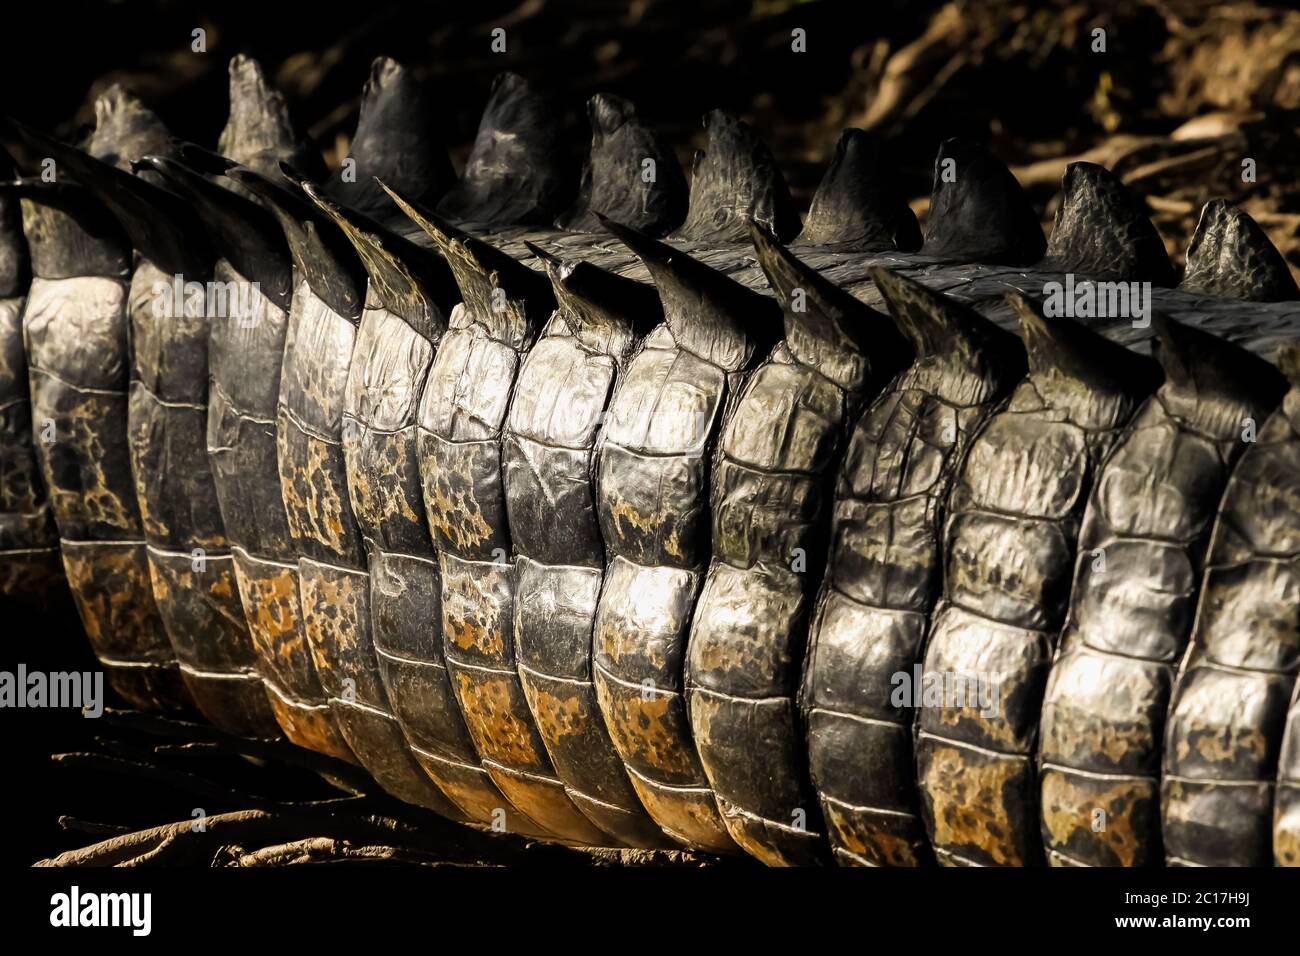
{"type": "Point", "coordinates": [336, 245]}
{"type": "Point", "coordinates": [978, 212]}
{"type": "Point", "coordinates": [695, 300]}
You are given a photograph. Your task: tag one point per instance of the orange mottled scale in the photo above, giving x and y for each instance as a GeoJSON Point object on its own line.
{"type": "Point", "coordinates": [1013, 519]}
{"type": "Point", "coordinates": [1227, 789]}
{"type": "Point", "coordinates": [334, 579]}
{"type": "Point", "coordinates": [30, 568]}
{"type": "Point", "coordinates": [653, 510]}
{"type": "Point", "coordinates": [1136, 583]}
{"type": "Point", "coordinates": [76, 340]}
{"type": "Point", "coordinates": [189, 555]}
{"type": "Point", "coordinates": [461, 418]}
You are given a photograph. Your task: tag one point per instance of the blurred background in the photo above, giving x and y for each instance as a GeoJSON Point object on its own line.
{"type": "Point", "coordinates": [1181, 93]}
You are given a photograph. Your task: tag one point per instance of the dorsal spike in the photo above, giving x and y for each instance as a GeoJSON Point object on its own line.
{"type": "Point", "coordinates": [159, 225]}
{"type": "Point", "coordinates": [858, 204]}
{"type": "Point", "coordinates": [482, 271]}
{"type": "Point", "coordinates": [205, 161]}
{"type": "Point", "coordinates": [125, 129]}
{"type": "Point", "coordinates": [599, 303]}
{"type": "Point", "coordinates": [1102, 229]}
{"type": "Point", "coordinates": [241, 231]}
{"type": "Point", "coordinates": [442, 232]}
{"type": "Point", "coordinates": [395, 142]}
{"type": "Point", "coordinates": [518, 171]}
{"type": "Point", "coordinates": [978, 212]}
{"type": "Point", "coordinates": [322, 254]}
{"type": "Point", "coordinates": [736, 181]}
{"type": "Point", "coordinates": [938, 325]}
{"type": "Point", "coordinates": [1078, 366]}
{"type": "Point", "coordinates": [547, 259]}
{"type": "Point", "coordinates": [826, 327]}
{"type": "Point", "coordinates": [1206, 368]}
{"type": "Point", "coordinates": [615, 181]}
{"type": "Point", "coordinates": [408, 281]}
{"type": "Point", "coordinates": [708, 313]}
{"type": "Point", "coordinates": [291, 174]}
{"type": "Point", "coordinates": [1231, 256]}
{"type": "Point", "coordinates": [259, 132]}
{"type": "Point", "coordinates": [216, 166]}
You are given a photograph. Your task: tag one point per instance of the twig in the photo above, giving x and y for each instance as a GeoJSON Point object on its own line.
{"type": "Point", "coordinates": [88, 826]}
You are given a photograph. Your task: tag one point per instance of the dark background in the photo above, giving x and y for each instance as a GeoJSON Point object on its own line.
{"type": "Point", "coordinates": [1182, 93]}
{"type": "Point", "coordinates": [1021, 76]}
